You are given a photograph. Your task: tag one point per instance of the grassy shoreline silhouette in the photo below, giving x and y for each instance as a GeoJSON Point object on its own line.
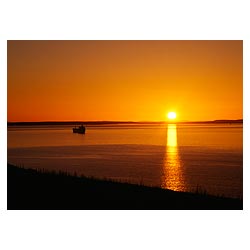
{"type": "Point", "coordinates": [33, 189]}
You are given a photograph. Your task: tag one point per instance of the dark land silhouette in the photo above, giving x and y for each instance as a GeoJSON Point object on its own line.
{"type": "Point", "coordinates": [116, 122]}
{"type": "Point", "coordinates": [32, 189]}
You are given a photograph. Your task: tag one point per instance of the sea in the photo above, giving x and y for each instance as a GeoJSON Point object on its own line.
{"type": "Point", "coordinates": [198, 157]}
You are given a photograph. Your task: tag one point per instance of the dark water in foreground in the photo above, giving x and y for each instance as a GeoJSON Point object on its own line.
{"type": "Point", "coordinates": [178, 157]}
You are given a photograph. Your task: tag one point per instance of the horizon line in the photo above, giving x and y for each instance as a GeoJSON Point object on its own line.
{"type": "Point", "coordinates": [121, 121]}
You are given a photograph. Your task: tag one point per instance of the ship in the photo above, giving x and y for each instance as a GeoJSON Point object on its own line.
{"type": "Point", "coordinates": [80, 130]}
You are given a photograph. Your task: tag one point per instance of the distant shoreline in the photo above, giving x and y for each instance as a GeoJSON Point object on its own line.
{"type": "Point", "coordinates": [238, 121]}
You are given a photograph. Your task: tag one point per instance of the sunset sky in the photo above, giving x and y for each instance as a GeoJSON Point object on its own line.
{"type": "Point", "coordinates": [124, 80]}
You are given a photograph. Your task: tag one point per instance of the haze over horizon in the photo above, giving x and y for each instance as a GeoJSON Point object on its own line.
{"type": "Point", "coordinates": [124, 80]}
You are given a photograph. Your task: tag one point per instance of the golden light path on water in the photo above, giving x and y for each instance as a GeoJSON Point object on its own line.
{"type": "Point", "coordinates": [172, 169]}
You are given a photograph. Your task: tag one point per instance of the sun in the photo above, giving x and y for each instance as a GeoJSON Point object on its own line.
{"type": "Point", "coordinates": [171, 115]}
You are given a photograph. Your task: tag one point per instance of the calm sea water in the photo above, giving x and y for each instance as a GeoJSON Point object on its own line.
{"type": "Point", "coordinates": [178, 157]}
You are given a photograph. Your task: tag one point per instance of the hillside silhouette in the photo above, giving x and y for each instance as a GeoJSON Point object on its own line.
{"type": "Point", "coordinates": [32, 189]}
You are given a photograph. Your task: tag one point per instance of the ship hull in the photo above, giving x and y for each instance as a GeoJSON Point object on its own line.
{"type": "Point", "coordinates": [79, 131]}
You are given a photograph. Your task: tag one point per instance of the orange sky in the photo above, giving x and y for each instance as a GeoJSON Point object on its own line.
{"type": "Point", "coordinates": [124, 80]}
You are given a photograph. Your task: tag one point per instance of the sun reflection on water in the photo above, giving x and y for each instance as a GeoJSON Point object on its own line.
{"type": "Point", "coordinates": [172, 171]}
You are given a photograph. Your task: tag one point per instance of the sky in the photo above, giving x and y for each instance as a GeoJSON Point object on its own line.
{"type": "Point", "coordinates": [124, 80]}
